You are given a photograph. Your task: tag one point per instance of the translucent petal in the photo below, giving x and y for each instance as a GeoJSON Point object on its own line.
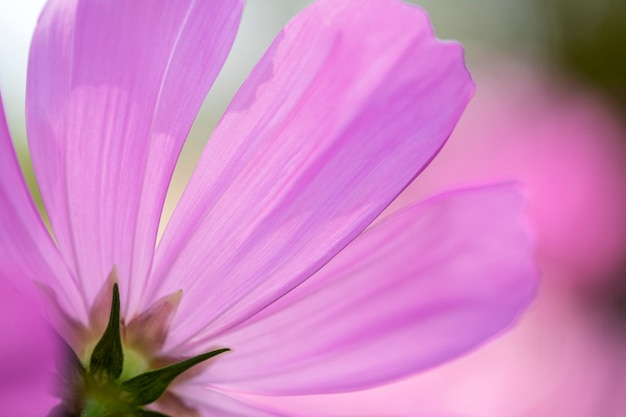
{"type": "Point", "coordinates": [347, 106]}
{"type": "Point", "coordinates": [420, 288]}
{"type": "Point", "coordinates": [113, 88]}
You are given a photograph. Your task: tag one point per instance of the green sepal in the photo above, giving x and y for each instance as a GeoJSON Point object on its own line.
{"type": "Point", "coordinates": [148, 387]}
{"type": "Point", "coordinates": [108, 357]}
{"type": "Point", "coordinates": [100, 389]}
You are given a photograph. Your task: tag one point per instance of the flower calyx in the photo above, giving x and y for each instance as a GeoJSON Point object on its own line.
{"type": "Point", "coordinates": [101, 389]}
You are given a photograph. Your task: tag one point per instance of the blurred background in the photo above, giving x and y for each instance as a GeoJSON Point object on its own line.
{"type": "Point", "coordinates": [549, 112]}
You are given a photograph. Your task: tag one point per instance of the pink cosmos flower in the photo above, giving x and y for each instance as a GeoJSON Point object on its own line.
{"type": "Point", "coordinates": [267, 253]}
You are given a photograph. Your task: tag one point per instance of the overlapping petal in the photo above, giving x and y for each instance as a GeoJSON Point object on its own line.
{"type": "Point", "coordinates": [346, 107]}
{"type": "Point", "coordinates": [113, 88]}
{"type": "Point", "coordinates": [212, 403]}
{"type": "Point", "coordinates": [421, 287]}
{"type": "Point", "coordinates": [27, 354]}
{"type": "Point", "coordinates": [27, 253]}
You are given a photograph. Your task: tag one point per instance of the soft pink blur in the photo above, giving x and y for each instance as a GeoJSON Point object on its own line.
{"type": "Point", "coordinates": [566, 357]}
{"type": "Point", "coordinates": [27, 350]}
{"type": "Point", "coordinates": [568, 150]}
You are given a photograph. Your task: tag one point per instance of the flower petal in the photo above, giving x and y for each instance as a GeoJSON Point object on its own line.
{"type": "Point", "coordinates": [347, 106]}
{"type": "Point", "coordinates": [213, 403]}
{"type": "Point", "coordinates": [421, 287]}
{"type": "Point", "coordinates": [27, 355]}
{"type": "Point", "coordinates": [27, 251]}
{"type": "Point", "coordinates": [113, 88]}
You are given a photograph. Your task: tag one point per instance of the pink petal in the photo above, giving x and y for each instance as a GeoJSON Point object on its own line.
{"type": "Point", "coordinates": [423, 286]}
{"type": "Point", "coordinates": [346, 107]}
{"type": "Point", "coordinates": [213, 403]}
{"type": "Point", "coordinates": [567, 148]}
{"type": "Point", "coordinates": [27, 354]}
{"type": "Point", "coordinates": [113, 87]}
{"type": "Point", "coordinates": [27, 252]}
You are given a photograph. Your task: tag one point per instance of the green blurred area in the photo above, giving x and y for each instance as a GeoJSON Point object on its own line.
{"type": "Point", "coordinates": [589, 39]}
{"type": "Point", "coordinates": [581, 39]}
{"type": "Point", "coordinates": [29, 176]}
